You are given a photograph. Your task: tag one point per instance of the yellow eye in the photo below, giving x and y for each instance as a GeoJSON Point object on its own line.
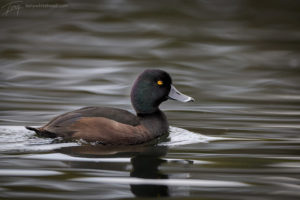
{"type": "Point", "coordinates": [160, 82]}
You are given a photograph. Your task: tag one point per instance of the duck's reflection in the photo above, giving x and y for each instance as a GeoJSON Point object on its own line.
{"type": "Point", "coordinates": [145, 162]}
{"type": "Point", "coordinates": [146, 166]}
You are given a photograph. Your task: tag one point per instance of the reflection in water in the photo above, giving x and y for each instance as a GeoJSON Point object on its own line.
{"type": "Point", "coordinates": [145, 163]}
{"type": "Point", "coordinates": [146, 166]}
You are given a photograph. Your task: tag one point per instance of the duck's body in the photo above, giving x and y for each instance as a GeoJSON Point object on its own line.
{"type": "Point", "coordinates": [119, 127]}
{"type": "Point", "coordinates": [106, 125]}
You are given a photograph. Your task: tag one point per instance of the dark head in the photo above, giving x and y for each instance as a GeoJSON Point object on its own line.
{"type": "Point", "coordinates": [151, 88]}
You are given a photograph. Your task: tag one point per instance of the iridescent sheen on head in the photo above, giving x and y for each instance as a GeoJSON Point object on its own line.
{"type": "Point", "coordinates": [150, 89]}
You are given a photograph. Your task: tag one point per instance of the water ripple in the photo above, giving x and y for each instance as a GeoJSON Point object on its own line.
{"type": "Point", "coordinates": [169, 182]}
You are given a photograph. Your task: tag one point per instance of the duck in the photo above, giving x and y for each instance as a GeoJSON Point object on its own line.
{"type": "Point", "coordinates": [114, 126]}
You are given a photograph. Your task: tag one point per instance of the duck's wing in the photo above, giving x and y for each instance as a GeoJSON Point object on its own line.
{"type": "Point", "coordinates": [115, 114]}
{"type": "Point", "coordinates": [108, 131]}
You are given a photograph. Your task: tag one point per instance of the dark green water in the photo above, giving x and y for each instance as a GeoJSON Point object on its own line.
{"type": "Point", "coordinates": [240, 60]}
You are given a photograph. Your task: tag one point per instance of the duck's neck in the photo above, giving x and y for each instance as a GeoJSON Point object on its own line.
{"type": "Point", "coordinates": [156, 122]}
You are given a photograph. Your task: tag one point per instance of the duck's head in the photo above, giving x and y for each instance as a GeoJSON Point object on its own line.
{"type": "Point", "coordinates": [151, 88]}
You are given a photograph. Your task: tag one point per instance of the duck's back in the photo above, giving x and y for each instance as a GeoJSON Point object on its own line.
{"type": "Point", "coordinates": [115, 114]}
{"type": "Point", "coordinates": [103, 124]}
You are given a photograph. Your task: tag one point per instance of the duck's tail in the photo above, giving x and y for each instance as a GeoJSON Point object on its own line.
{"type": "Point", "coordinates": [32, 129]}
{"type": "Point", "coordinates": [41, 132]}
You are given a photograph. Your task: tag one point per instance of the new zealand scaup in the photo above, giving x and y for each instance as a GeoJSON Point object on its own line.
{"type": "Point", "coordinates": [119, 127]}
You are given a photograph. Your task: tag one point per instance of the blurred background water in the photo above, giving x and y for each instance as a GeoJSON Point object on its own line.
{"type": "Point", "coordinates": [238, 58]}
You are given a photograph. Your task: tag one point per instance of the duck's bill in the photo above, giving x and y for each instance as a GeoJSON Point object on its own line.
{"type": "Point", "coordinates": [176, 95]}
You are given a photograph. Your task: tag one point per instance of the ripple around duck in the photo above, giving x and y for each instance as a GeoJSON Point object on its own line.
{"type": "Point", "coordinates": [19, 139]}
{"type": "Point", "coordinates": [180, 136]}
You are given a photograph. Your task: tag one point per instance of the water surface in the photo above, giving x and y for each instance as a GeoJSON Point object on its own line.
{"type": "Point", "coordinates": [238, 59]}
